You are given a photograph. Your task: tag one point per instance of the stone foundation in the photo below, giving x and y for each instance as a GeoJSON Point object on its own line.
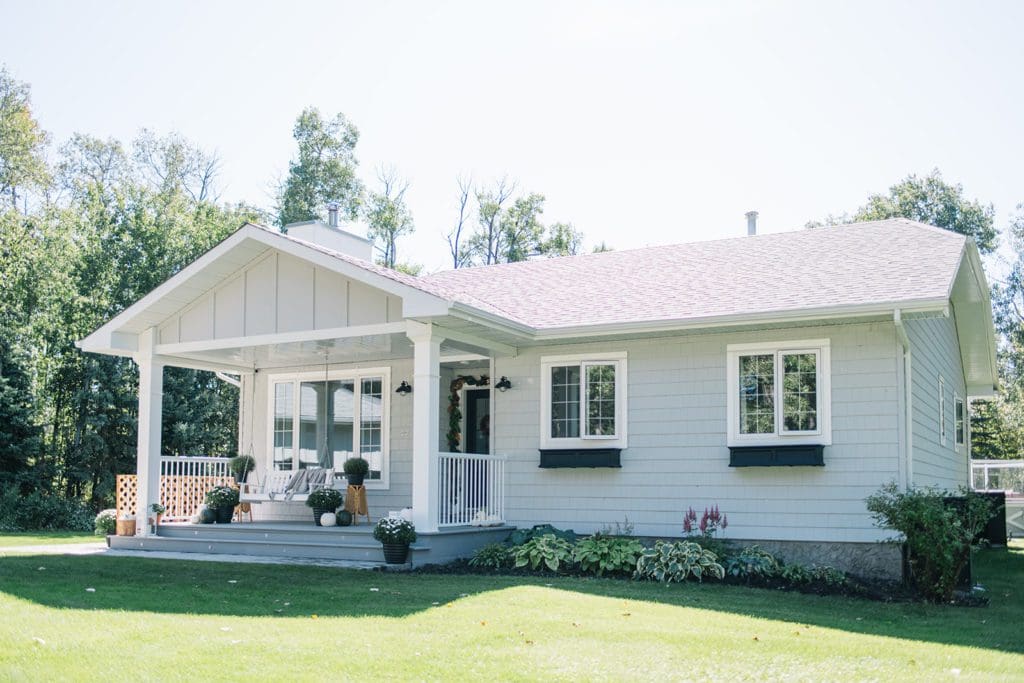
{"type": "Point", "coordinates": [868, 560]}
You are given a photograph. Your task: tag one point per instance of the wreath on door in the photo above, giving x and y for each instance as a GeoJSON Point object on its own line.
{"type": "Point", "coordinates": [454, 434]}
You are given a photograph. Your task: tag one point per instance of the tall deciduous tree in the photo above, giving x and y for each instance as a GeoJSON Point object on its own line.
{"type": "Point", "coordinates": [22, 142]}
{"type": "Point", "coordinates": [387, 216]}
{"type": "Point", "coordinates": [323, 171]}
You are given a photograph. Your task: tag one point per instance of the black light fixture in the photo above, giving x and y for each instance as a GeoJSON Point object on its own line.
{"type": "Point", "coordinates": [404, 389]}
{"type": "Point", "coordinates": [503, 384]}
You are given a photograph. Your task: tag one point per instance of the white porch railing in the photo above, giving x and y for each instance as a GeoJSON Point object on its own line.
{"type": "Point", "coordinates": [471, 489]}
{"type": "Point", "coordinates": [998, 475]}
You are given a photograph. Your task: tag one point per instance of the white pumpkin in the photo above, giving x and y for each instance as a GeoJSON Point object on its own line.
{"type": "Point", "coordinates": [328, 519]}
{"type": "Point", "coordinates": [406, 514]}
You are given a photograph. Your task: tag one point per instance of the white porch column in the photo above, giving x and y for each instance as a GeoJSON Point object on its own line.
{"type": "Point", "coordinates": [425, 423]}
{"type": "Point", "coordinates": [151, 400]}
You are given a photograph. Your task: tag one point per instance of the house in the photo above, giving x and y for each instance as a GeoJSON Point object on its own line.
{"type": "Point", "coordinates": [783, 377]}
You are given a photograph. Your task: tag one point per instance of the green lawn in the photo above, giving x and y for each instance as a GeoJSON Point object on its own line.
{"type": "Point", "coordinates": [13, 539]}
{"type": "Point", "coordinates": [160, 620]}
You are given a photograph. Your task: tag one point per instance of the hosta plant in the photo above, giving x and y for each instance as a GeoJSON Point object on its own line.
{"type": "Point", "coordinates": [600, 554]}
{"type": "Point", "coordinates": [492, 556]}
{"type": "Point", "coordinates": [547, 550]}
{"type": "Point", "coordinates": [752, 563]}
{"type": "Point", "coordinates": [678, 561]}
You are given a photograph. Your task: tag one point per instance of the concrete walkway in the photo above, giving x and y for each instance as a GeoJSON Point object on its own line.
{"type": "Point", "coordinates": [56, 549]}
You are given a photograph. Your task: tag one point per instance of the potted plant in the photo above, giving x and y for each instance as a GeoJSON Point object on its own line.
{"type": "Point", "coordinates": [240, 466]}
{"type": "Point", "coordinates": [158, 510]}
{"type": "Point", "coordinates": [322, 501]}
{"type": "Point", "coordinates": [223, 500]}
{"type": "Point", "coordinates": [356, 470]}
{"type": "Point", "coordinates": [395, 534]}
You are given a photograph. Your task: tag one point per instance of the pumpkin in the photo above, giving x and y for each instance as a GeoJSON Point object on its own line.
{"type": "Point", "coordinates": [344, 518]}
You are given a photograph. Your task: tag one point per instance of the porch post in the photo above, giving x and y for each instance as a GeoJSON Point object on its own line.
{"type": "Point", "coordinates": [425, 423]}
{"type": "Point", "coordinates": [151, 399]}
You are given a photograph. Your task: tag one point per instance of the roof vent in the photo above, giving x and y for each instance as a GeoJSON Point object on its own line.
{"type": "Point", "coordinates": [751, 223]}
{"type": "Point", "coordinates": [332, 214]}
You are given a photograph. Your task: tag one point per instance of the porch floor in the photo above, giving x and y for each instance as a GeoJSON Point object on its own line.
{"type": "Point", "coordinates": [304, 540]}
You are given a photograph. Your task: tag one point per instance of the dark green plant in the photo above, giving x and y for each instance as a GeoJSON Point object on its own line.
{"type": "Point", "coordinates": [521, 536]}
{"type": "Point", "coordinates": [599, 554]}
{"type": "Point", "coordinates": [324, 499]}
{"type": "Point", "coordinates": [38, 511]}
{"type": "Point", "coordinates": [394, 530]}
{"type": "Point", "coordinates": [356, 466]}
{"type": "Point", "coordinates": [222, 497]}
{"type": "Point", "coordinates": [795, 574]}
{"type": "Point", "coordinates": [677, 561]}
{"type": "Point", "coordinates": [241, 465]}
{"type": "Point", "coordinates": [492, 556]}
{"type": "Point", "coordinates": [547, 550]}
{"type": "Point", "coordinates": [830, 576]}
{"type": "Point", "coordinates": [939, 535]}
{"type": "Point", "coordinates": [752, 562]}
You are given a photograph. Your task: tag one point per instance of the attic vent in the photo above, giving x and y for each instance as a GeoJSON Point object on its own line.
{"type": "Point", "coordinates": [751, 223]}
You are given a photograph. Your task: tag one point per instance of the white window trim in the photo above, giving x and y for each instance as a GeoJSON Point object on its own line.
{"type": "Point", "coordinates": [619, 439]}
{"type": "Point", "coordinates": [942, 411]}
{"type": "Point", "coordinates": [960, 415]}
{"type": "Point", "coordinates": [356, 375]}
{"type": "Point", "coordinates": [821, 436]}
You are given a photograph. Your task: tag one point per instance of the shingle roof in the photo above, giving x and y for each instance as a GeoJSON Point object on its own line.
{"type": "Point", "coordinates": [881, 262]}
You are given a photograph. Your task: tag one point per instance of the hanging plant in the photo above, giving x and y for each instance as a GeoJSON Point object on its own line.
{"type": "Point", "coordinates": [454, 434]}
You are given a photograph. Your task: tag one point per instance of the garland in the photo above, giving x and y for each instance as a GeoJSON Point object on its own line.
{"type": "Point", "coordinates": [454, 434]}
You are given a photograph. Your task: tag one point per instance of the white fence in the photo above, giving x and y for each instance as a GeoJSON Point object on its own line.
{"type": "Point", "coordinates": [471, 489]}
{"type": "Point", "coordinates": [998, 475]}
{"type": "Point", "coordinates": [184, 482]}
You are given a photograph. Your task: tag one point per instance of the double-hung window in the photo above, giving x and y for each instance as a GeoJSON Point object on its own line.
{"type": "Point", "coordinates": [583, 401]}
{"type": "Point", "coordinates": [959, 421]}
{"type": "Point", "coordinates": [320, 422]}
{"type": "Point", "coordinates": [779, 393]}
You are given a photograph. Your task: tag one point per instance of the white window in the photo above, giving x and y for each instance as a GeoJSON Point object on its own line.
{"type": "Point", "coordinates": [942, 411]}
{"type": "Point", "coordinates": [959, 421]}
{"type": "Point", "coordinates": [779, 393]}
{"type": "Point", "coordinates": [320, 422]}
{"type": "Point", "coordinates": [583, 401]}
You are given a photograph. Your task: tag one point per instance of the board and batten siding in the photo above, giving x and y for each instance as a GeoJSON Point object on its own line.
{"type": "Point", "coordinates": [279, 293]}
{"type": "Point", "coordinates": [935, 352]}
{"type": "Point", "coordinates": [677, 455]}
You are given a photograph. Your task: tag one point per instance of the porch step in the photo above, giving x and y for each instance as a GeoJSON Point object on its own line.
{"type": "Point", "coordinates": [307, 534]}
{"type": "Point", "coordinates": [356, 552]}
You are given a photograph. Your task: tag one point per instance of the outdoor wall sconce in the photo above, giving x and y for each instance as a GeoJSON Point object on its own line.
{"type": "Point", "coordinates": [503, 384]}
{"type": "Point", "coordinates": [404, 389]}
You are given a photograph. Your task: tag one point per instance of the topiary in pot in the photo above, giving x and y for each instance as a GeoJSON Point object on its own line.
{"type": "Point", "coordinates": [356, 470]}
{"type": "Point", "coordinates": [240, 466]}
{"type": "Point", "coordinates": [323, 501]}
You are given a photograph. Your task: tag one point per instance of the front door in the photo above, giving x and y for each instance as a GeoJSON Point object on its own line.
{"type": "Point", "coordinates": [477, 427]}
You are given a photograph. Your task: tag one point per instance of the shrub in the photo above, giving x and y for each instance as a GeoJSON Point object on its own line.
{"type": "Point", "coordinates": [492, 556]}
{"type": "Point", "coordinates": [325, 499]}
{"type": "Point", "coordinates": [599, 554]}
{"type": "Point", "coordinates": [752, 563]}
{"type": "Point", "coordinates": [830, 576]}
{"type": "Point", "coordinates": [356, 466]}
{"type": "Point", "coordinates": [394, 530]}
{"type": "Point", "coordinates": [795, 574]}
{"type": "Point", "coordinates": [798, 574]}
{"type": "Point", "coordinates": [521, 536]}
{"type": "Point", "coordinates": [222, 497]}
{"type": "Point", "coordinates": [39, 511]}
{"type": "Point", "coordinates": [939, 536]}
{"type": "Point", "coordinates": [550, 550]}
{"type": "Point", "coordinates": [106, 522]}
{"type": "Point", "coordinates": [668, 562]}
{"type": "Point", "coordinates": [241, 465]}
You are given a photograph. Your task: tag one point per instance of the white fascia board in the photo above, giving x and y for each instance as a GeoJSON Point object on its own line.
{"type": "Point", "coordinates": [280, 338]}
{"type": "Point", "coordinates": [200, 364]}
{"type": "Point", "coordinates": [475, 315]}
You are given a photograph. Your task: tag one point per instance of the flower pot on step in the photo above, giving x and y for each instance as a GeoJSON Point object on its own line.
{"type": "Point", "coordinates": [225, 514]}
{"type": "Point", "coordinates": [395, 553]}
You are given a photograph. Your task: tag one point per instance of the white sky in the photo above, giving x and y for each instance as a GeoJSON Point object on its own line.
{"type": "Point", "coordinates": [642, 123]}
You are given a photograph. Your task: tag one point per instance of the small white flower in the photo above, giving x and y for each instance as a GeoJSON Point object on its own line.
{"type": "Point", "coordinates": [90, 590]}
{"type": "Point", "coordinates": [374, 590]}
{"type": "Point", "coordinates": [39, 641]}
{"type": "Point", "coordinates": [42, 569]}
{"type": "Point", "coordinates": [225, 628]}
{"type": "Point", "coordinates": [232, 581]}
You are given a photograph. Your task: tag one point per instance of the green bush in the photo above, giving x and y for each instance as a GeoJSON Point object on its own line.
{"type": "Point", "coordinates": [105, 523]}
{"type": "Point", "coordinates": [599, 554]}
{"type": "Point", "coordinates": [325, 499]}
{"type": "Point", "coordinates": [222, 497]}
{"type": "Point", "coordinates": [492, 556]}
{"type": "Point", "coordinates": [798, 574]}
{"type": "Point", "coordinates": [39, 511]}
{"type": "Point", "coordinates": [548, 550]}
{"type": "Point", "coordinates": [521, 536]}
{"type": "Point", "coordinates": [752, 563]}
{"type": "Point", "coordinates": [939, 536]}
{"type": "Point", "coordinates": [795, 574]}
{"type": "Point", "coordinates": [668, 562]}
{"type": "Point", "coordinates": [241, 465]}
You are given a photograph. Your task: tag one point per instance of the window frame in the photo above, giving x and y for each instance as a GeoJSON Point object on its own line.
{"type": "Point", "coordinates": [780, 436]}
{"type": "Point", "coordinates": [959, 422]}
{"type": "Point", "coordinates": [584, 441]}
{"type": "Point", "coordinates": [356, 376]}
{"type": "Point", "coordinates": [942, 411]}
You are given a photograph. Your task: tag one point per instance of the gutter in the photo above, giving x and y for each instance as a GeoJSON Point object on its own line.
{"type": "Point", "coordinates": [906, 473]}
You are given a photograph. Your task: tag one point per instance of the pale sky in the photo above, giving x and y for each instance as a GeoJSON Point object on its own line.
{"type": "Point", "coordinates": [642, 123]}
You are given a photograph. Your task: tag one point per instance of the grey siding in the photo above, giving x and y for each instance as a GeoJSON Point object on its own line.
{"type": "Point", "coordinates": [936, 352]}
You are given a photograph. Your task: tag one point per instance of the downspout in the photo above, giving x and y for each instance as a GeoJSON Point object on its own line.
{"type": "Point", "coordinates": [907, 471]}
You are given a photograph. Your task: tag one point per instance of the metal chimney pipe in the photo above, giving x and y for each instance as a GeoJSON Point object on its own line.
{"type": "Point", "coordinates": [332, 214]}
{"type": "Point", "coordinates": [751, 223]}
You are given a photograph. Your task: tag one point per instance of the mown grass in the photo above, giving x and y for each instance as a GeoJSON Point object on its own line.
{"type": "Point", "coordinates": [152, 619]}
{"type": "Point", "coordinates": [11, 539]}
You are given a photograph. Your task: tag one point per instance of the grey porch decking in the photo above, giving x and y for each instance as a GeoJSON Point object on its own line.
{"type": "Point", "coordinates": [305, 540]}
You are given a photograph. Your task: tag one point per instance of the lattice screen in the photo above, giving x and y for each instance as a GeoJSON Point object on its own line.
{"type": "Point", "coordinates": [181, 495]}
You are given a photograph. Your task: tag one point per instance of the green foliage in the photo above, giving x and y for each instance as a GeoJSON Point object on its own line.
{"type": "Point", "coordinates": [22, 142]}
{"type": "Point", "coordinates": [547, 550]}
{"type": "Point", "coordinates": [393, 530]}
{"type": "Point", "coordinates": [752, 563]}
{"type": "Point", "coordinates": [105, 523]}
{"type": "Point", "coordinates": [677, 561]}
{"type": "Point", "coordinates": [607, 554]}
{"type": "Point", "coordinates": [521, 536]}
{"type": "Point", "coordinates": [388, 217]}
{"type": "Point", "coordinates": [41, 511]}
{"type": "Point", "coordinates": [325, 499]}
{"type": "Point", "coordinates": [938, 533]}
{"type": "Point", "coordinates": [20, 438]}
{"type": "Point", "coordinates": [356, 466]}
{"type": "Point", "coordinates": [222, 497]}
{"type": "Point", "coordinates": [324, 170]}
{"type": "Point", "coordinates": [798, 574]}
{"type": "Point", "coordinates": [795, 574]}
{"type": "Point", "coordinates": [492, 556]}
{"type": "Point", "coordinates": [241, 465]}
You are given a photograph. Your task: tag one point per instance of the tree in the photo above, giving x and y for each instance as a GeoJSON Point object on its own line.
{"type": "Point", "coordinates": [172, 163]}
{"type": "Point", "coordinates": [932, 200]}
{"type": "Point", "coordinates": [460, 254]}
{"type": "Point", "coordinates": [19, 435]}
{"type": "Point", "coordinates": [485, 245]}
{"type": "Point", "coordinates": [387, 216]}
{"type": "Point", "coordinates": [563, 240]}
{"type": "Point", "coordinates": [521, 233]}
{"type": "Point", "coordinates": [324, 171]}
{"type": "Point", "coordinates": [22, 141]}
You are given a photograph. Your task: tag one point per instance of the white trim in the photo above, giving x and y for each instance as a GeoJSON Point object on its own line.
{"type": "Point", "coordinates": [942, 411]}
{"type": "Point", "coordinates": [961, 416]}
{"type": "Point", "coordinates": [822, 435]}
{"type": "Point", "coordinates": [617, 440]}
{"type": "Point", "coordinates": [281, 338]}
{"type": "Point", "coordinates": [356, 375]}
